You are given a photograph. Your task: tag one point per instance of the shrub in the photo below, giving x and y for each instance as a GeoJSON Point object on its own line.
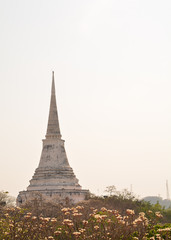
{"type": "Point", "coordinates": [76, 223]}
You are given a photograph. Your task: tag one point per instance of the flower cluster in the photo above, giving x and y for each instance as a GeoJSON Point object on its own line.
{"type": "Point", "coordinates": [76, 223]}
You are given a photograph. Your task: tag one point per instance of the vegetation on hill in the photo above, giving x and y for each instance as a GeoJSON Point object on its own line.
{"type": "Point", "coordinates": [117, 216]}
{"type": "Point", "coordinates": [166, 203]}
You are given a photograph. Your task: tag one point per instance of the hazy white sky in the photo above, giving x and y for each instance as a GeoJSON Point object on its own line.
{"type": "Point", "coordinates": [112, 63]}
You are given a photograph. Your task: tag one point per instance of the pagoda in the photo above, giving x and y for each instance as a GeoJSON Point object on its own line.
{"type": "Point", "coordinates": [54, 179]}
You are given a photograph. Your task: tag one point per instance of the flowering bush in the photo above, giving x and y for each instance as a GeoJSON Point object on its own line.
{"type": "Point", "coordinates": [75, 223]}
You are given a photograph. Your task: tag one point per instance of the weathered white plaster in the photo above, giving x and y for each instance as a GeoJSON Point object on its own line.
{"type": "Point", "coordinates": [54, 179]}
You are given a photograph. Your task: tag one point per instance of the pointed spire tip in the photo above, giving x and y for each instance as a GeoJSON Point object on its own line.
{"type": "Point", "coordinates": [53, 129]}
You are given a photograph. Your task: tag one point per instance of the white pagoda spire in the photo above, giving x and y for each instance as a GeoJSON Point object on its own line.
{"type": "Point", "coordinates": [54, 179]}
{"type": "Point", "coordinates": [53, 130]}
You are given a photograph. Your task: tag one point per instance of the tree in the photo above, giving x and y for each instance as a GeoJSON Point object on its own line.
{"type": "Point", "coordinates": [111, 190]}
{"type": "Point", "coordinates": [125, 194]}
{"type": "Point", "coordinates": [6, 199]}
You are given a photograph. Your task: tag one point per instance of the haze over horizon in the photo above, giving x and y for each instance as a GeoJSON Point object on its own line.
{"type": "Point", "coordinates": [113, 79]}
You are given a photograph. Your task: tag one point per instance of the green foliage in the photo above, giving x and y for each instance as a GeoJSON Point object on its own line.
{"type": "Point", "coordinates": [74, 223]}
{"type": "Point", "coordinates": [167, 215]}
{"type": "Point", "coordinates": [6, 199]}
{"type": "Point", "coordinates": [117, 216]}
{"type": "Point", "coordinates": [121, 200]}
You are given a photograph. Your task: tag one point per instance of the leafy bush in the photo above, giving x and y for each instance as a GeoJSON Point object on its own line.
{"type": "Point", "coordinates": [6, 199]}
{"type": "Point", "coordinates": [76, 223]}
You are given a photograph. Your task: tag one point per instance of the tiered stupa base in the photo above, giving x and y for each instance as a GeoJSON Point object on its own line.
{"type": "Point", "coordinates": [63, 196]}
